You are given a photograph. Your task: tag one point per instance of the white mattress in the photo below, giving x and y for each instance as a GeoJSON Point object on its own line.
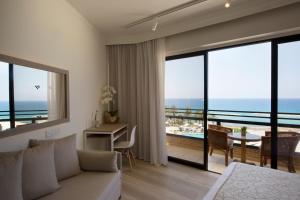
{"type": "Point", "coordinates": [241, 181]}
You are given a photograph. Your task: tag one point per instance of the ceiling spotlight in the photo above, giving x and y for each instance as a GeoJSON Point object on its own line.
{"type": "Point", "coordinates": [227, 4]}
{"type": "Point", "coordinates": [154, 26]}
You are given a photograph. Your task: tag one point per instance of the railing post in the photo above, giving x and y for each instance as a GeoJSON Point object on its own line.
{"type": "Point", "coordinates": [12, 114]}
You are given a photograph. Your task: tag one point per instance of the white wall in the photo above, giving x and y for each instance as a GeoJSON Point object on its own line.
{"type": "Point", "coordinates": [52, 32]}
{"type": "Point", "coordinates": [274, 23]}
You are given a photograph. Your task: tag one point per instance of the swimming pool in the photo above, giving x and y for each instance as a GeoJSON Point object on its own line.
{"type": "Point", "coordinates": [190, 134]}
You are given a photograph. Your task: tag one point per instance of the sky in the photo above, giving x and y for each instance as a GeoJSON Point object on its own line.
{"type": "Point", "coordinates": [184, 78]}
{"type": "Point", "coordinates": [25, 81]}
{"type": "Point", "coordinates": [241, 72]}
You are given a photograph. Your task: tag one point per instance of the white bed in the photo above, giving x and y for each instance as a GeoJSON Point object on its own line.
{"type": "Point", "coordinates": [242, 181]}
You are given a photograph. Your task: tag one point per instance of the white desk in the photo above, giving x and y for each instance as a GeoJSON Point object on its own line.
{"type": "Point", "coordinates": [113, 131]}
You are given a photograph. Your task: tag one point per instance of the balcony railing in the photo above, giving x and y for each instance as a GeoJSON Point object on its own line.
{"type": "Point", "coordinates": [25, 115]}
{"type": "Point", "coordinates": [291, 120]}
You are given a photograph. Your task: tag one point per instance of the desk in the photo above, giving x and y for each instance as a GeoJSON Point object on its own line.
{"type": "Point", "coordinates": [113, 131]}
{"type": "Point", "coordinates": [248, 138]}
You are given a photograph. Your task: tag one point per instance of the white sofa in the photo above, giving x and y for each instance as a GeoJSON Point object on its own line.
{"type": "Point", "coordinates": [55, 170]}
{"type": "Point", "coordinates": [90, 185]}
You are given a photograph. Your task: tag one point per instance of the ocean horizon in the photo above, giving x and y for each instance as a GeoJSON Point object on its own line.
{"type": "Point", "coordinates": [285, 105]}
{"type": "Point", "coordinates": [23, 105]}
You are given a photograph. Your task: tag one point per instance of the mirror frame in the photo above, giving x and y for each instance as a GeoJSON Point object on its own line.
{"type": "Point", "coordinates": [33, 127]}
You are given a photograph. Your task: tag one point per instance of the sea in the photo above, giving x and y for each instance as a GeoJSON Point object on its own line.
{"type": "Point", "coordinates": [286, 107]}
{"type": "Point", "coordinates": [254, 105]}
{"type": "Point", "coordinates": [24, 105]}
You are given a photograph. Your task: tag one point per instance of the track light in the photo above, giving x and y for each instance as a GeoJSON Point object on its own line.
{"type": "Point", "coordinates": [154, 26]}
{"type": "Point", "coordinates": [227, 3]}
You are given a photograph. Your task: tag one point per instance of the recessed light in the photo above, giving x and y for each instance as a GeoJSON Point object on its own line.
{"type": "Point", "coordinates": [227, 4]}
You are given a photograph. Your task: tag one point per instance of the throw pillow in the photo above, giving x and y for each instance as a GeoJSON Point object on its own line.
{"type": "Point", "coordinates": [11, 175]}
{"type": "Point", "coordinates": [65, 156]}
{"type": "Point", "coordinates": [39, 177]}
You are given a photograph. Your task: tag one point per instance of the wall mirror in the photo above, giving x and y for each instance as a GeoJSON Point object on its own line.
{"type": "Point", "coordinates": [32, 96]}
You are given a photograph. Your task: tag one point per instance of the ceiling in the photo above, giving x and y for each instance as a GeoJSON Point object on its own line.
{"type": "Point", "coordinates": [112, 16]}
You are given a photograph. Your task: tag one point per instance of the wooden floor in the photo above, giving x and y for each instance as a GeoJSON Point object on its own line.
{"type": "Point", "coordinates": [148, 182]}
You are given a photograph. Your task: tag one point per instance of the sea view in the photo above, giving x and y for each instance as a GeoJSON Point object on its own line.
{"type": "Point", "coordinates": [195, 129]}
{"type": "Point", "coordinates": [23, 105]}
{"type": "Point", "coordinates": [255, 105]}
{"type": "Point", "coordinates": [289, 107]}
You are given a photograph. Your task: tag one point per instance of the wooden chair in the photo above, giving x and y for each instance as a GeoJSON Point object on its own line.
{"type": "Point", "coordinates": [126, 146]}
{"type": "Point", "coordinates": [286, 146]}
{"type": "Point", "coordinates": [220, 128]}
{"type": "Point", "coordinates": [283, 133]}
{"type": "Point", "coordinates": [217, 139]}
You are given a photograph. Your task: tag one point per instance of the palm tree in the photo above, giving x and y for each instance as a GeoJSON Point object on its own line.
{"type": "Point", "coordinates": [173, 112]}
{"type": "Point", "coordinates": [188, 112]}
{"type": "Point", "coordinates": [199, 114]}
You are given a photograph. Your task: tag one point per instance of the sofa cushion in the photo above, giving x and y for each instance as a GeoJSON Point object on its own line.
{"type": "Point", "coordinates": [11, 175]}
{"type": "Point", "coordinates": [38, 175]}
{"type": "Point", "coordinates": [90, 186]}
{"type": "Point", "coordinates": [65, 156]}
{"type": "Point", "coordinates": [105, 161]}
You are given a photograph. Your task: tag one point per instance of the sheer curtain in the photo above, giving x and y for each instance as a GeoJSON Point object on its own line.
{"type": "Point", "coordinates": [137, 71]}
{"type": "Point", "coordinates": [56, 96]}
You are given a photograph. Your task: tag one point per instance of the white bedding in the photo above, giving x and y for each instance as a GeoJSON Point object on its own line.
{"type": "Point", "coordinates": [242, 181]}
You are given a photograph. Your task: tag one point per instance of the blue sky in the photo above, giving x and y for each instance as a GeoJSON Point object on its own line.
{"type": "Point", "coordinates": [242, 72]}
{"type": "Point", "coordinates": [182, 78]}
{"type": "Point", "coordinates": [25, 81]}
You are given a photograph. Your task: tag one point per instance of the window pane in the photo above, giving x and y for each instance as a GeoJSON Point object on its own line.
{"type": "Point", "coordinates": [288, 106]}
{"type": "Point", "coordinates": [4, 96]}
{"type": "Point", "coordinates": [184, 93]}
{"type": "Point", "coordinates": [240, 78]}
{"type": "Point", "coordinates": [239, 91]}
{"type": "Point", "coordinates": [30, 90]}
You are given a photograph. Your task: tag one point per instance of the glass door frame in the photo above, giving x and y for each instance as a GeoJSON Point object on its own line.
{"type": "Point", "coordinates": [203, 165]}
{"type": "Point", "coordinates": [274, 94]}
{"type": "Point", "coordinates": [274, 100]}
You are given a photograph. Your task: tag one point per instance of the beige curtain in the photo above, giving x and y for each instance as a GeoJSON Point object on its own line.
{"type": "Point", "coordinates": [56, 96]}
{"type": "Point", "coordinates": [137, 71]}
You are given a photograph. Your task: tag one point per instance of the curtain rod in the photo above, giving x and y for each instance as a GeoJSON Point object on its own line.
{"type": "Point", "coordinates": [165, 12]}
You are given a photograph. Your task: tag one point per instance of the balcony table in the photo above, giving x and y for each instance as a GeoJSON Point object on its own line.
{"type": "Point", "coordinates": [244, 139]}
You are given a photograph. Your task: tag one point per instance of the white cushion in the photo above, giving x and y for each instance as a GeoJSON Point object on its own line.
{"type": "Point", "coordinates": [65, 156]}
{"type": "Point", "coordinates": [89, 186]}
{"type": "Point", "coordinates": [38, 175]}
{"type": "Point", "coordinates": [11, 175]}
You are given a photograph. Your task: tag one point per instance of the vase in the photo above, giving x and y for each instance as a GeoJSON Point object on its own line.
{"type": "Point", "coordinates": [110, 117]}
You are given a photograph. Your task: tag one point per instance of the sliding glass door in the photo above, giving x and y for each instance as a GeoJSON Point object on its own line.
{"type": "Point", "coordinates": [288, 146]}
{"type": "Point", "coordinates": [4, 97]}
{"type": "Point", "coordinates": [252, 88]}
{"type": "Point", "coordinates": [184, 101]}
{"type": "Point", "coordinates": [239, 95]}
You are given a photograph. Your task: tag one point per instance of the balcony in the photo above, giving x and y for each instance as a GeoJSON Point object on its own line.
{"type": "Point", "coordinates": [185, 133]}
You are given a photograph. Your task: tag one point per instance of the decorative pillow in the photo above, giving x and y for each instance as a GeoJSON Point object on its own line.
{"type": "Point", "coordinates": [39, 177]}
{"type": "Point", "coordinates": [11, 175]}
{"type": "Point", "coordinates": [65, 156]}
{"type": "Point", "coordinates": [98, 161]}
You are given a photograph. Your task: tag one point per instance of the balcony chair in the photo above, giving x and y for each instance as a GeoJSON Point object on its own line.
{"type": "Point", "coordinates": [125, 147]}
{"type": "Point", "coordinates": [220, 128]}
{"type": "Point", "coordinates": [286, 146]}
{"type": "Point", "coordinates": [217, 139]}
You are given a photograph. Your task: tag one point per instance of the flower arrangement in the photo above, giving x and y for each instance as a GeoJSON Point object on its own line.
{"type": "Point", "coordinates": [108, 93]}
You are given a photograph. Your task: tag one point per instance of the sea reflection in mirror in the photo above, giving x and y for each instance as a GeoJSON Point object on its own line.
{"type": "Point", "coordinates": [30, 96]}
